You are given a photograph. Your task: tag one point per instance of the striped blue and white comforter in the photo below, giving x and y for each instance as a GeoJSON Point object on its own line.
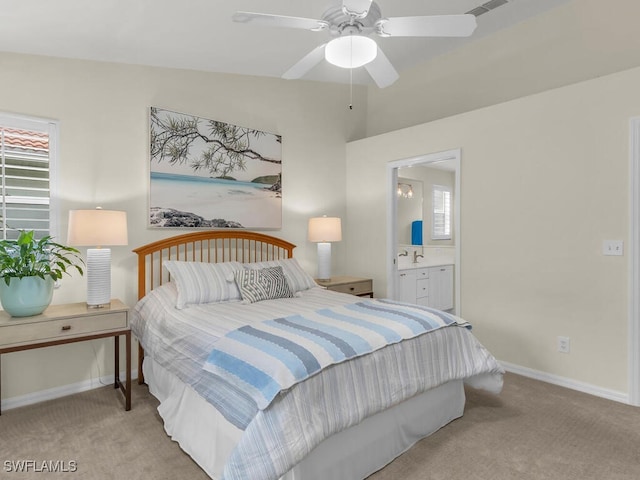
{"type": "Point", "coordinates": [271, 356]}
{"type": "Point", "coordinates": [277, 437]}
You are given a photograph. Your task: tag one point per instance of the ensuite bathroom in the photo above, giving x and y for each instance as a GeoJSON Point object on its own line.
{"type": "Point", "coordinates": [426, 256]}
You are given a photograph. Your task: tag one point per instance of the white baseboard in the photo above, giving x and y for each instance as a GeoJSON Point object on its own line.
{"type": "Point", "coordinates": [63, 391]}
{"type": "Point", "coordinates": [567, 383]}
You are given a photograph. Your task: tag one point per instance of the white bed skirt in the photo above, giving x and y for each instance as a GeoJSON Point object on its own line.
{"type": "Point", "coordinates": [352, 454]}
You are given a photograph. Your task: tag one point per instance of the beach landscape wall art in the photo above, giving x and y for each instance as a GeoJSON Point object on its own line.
{"type": "Point", "coordinates": [210, 174]}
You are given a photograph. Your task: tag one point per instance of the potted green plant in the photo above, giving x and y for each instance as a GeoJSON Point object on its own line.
{"type": "Point", "coordinates": [29, 269]}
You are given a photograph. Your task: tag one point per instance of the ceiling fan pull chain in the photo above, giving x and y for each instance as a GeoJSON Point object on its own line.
{"type": "Point", "coordinates": [351, 89]}
{"type": "Point", "coordinates": [351, 75]}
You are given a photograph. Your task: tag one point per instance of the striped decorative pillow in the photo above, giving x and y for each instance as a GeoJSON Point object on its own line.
{"type": "Point", "coordinates": [199, 282]}
{"type": "Point", "coordinates": [263, 284]}
{"type": "Point", "coordinates": [297, 278]}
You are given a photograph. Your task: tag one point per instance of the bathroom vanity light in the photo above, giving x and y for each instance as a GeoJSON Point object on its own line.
{"type": "Point", "coordinates": [405, 190]}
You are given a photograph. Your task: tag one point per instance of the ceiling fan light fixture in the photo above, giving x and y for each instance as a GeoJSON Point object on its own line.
{"type": "Point", "coordinates": [351, 51]}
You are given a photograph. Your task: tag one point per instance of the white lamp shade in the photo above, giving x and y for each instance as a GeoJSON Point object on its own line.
{"type": "Point", "coordinates": [97, 227]}
{"type": "Point", "coordinates": [351, 51]}
{"type": "Point", "coordinates": [325, 229]}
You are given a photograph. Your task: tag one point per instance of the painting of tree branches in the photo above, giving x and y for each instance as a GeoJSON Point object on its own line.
{"type": "Point", "coordinates": [210, 174]}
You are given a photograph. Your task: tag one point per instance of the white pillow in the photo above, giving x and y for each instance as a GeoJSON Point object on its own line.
{"type": "Point", "coordinates": [297, 278]}
{"type": "Point", "coordinates": [200, 282]}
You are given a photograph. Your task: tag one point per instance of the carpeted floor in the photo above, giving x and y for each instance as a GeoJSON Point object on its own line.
{"type": "Point", "coordinates": [532, 430]}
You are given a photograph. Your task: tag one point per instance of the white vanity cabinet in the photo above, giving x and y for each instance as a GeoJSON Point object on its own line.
{"type": "Point", "coordinates": [413, 286]}
{"type": "Point", "coordinates": [406, 286]}
{"type": "Point", "coordinates": [428, 286]}
{"type": "Point", "coordinates": [423, 288]}
{"type": "Point", "coordinates": [441, 287]}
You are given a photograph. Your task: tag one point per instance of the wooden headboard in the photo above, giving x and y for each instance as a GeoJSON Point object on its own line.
{"type": "Point", "coordinates": [212, 246]}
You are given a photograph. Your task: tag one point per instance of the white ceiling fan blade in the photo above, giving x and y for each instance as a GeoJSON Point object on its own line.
{"type": "Point", "coordinates": [268, 20]}
{"type": "Point", "coordinates": [356, 8]}
{"type": "Point", "coordinates": [429, 26]}
{"type": "Point", "coordinates": [305, 64]}
{"type": "Point", "coordinates": [381, 70]}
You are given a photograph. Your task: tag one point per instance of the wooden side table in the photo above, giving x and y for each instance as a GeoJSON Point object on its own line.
{"type": "Point", "coordinates": [362, 287]}
{"type": "Point", "coordinates": [74, 322]}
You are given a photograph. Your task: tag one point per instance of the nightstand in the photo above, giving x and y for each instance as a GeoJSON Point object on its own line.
{"type": "Point", "coordinates": [362, 287]}
{"type": "Point", "coordinates": [74, 322]}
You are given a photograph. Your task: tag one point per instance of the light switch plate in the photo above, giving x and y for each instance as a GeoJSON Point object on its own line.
{"type": "Point", "coordinates": [612, 247]}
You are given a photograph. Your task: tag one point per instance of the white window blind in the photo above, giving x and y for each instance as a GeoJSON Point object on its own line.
{"type": "Point", "coordinates": [441, 221]}
{"type": "Point", "coordinates": [26, 158]}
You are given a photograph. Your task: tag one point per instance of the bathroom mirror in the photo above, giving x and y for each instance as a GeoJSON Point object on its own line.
{"type": "Point", "coordinates": [423, 179]}
{"type": "Point", "coordinates": [410, 210]}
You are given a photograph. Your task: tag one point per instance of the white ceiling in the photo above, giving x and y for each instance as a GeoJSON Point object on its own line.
{"type": "Point", "coordinates": [199, 34]}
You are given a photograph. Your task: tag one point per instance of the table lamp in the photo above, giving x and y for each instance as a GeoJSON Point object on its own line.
{"type": "Point", "coordinates": [98, 228]}
{"type": "Point", "coordinates": [324, 230]}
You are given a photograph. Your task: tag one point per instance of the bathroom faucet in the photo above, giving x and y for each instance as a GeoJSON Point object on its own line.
{"type": "Point", "coordinates": [416, 255]}
{"type": "Point", "coordinates": [404, 254]}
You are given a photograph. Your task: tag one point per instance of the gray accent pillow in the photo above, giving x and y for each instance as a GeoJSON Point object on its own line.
{"type": "Point", "coordinates": [262, 284]}
{"type": "Point", "coordinates": [297, 278]}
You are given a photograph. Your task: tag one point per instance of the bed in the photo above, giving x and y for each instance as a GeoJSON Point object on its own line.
{"type": "Point", "coordinates": [326, 404]}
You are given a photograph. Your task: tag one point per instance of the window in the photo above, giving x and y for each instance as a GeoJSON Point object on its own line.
{"type": "Point", "coordinates": [441, 221]}
{"type": "Point", "coordinates": [27, 158]}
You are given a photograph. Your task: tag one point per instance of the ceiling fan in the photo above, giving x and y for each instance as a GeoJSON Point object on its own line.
{"type": "Point", "coordinates": [352, 24]}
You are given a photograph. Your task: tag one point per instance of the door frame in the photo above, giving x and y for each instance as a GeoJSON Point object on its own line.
{"type": "Point", "coordinates": [392, 204]}
{"type": "Point", "coordinates": [634, 262]}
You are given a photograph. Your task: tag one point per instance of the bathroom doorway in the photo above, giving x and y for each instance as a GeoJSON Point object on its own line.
{"type": "Point", "coordinates": [418, 236]}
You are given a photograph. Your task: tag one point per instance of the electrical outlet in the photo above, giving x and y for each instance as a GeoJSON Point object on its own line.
{"type": "Point", "coordinates": [612, 247]}
{"type": "Point", "coordinates": [564, 344]}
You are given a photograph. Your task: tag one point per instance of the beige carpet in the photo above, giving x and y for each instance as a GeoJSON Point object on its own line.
{"type": "Point", "coordinates": [531, 431]}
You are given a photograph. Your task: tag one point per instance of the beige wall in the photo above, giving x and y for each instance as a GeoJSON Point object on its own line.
{"type": "Point", "coordinates": [544, 180]}
{"type": "Point", "coordinates": [576, 41]}
{"type": "Point", "coordinates": [103, 113]}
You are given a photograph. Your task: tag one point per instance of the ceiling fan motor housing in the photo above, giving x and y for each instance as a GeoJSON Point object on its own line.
{"type": "Point", "coordinates": [339, 21]}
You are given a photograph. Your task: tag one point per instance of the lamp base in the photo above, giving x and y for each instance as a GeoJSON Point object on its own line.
{"type": "Point", "coordinates": [324, 261]}
{"type": "Point", "coordinates": [98, 277]}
